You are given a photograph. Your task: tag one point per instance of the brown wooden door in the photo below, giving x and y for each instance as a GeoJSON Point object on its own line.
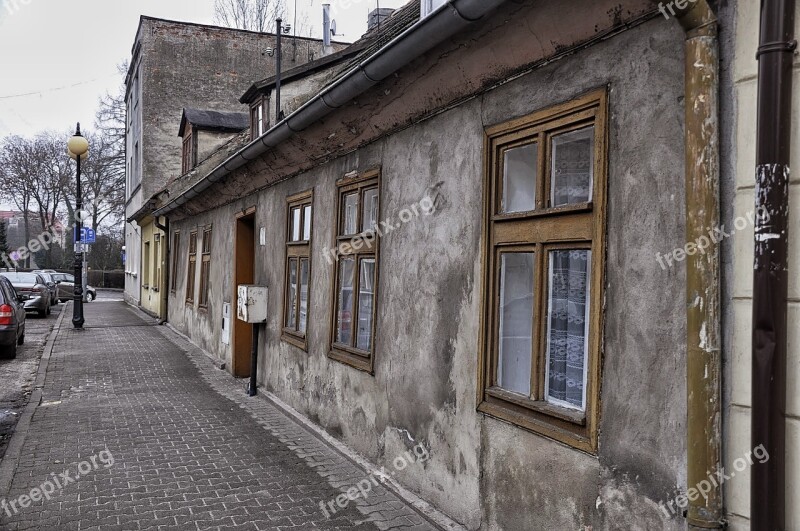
{"type": "Point", "coordinates": [245, 258]}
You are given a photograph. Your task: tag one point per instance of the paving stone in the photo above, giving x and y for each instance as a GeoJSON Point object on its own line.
{"type": "Point", "coordinates": [190, 449]}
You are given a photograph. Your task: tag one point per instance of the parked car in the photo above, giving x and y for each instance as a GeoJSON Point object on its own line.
{"type": "Point", "coordinates": [12, 319]}
{"type": "Point", "coordinates": [66, 288]}
{"type": "Point", "coordinates": [33, 290]}
{"type": "Point", "coordinates": [52, 285]}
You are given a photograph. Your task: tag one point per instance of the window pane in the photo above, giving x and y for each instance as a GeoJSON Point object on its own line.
{"type": "Point", "coordinates": [366, 298]}
{"type": "Point", "coordinates": [350, 214]}
{"type": "Point", "coordinates": [516, 322]}
{"type": "Point", "coordinates": [303, 317]}
{"type": "Point", "coordinates": [519, 179]}
{"type": "Point", "coordinates": [568, 328]}
{"type": "Point", "coordinates": [291, 295]}
{"type": "Point", "coordinates": [295, 229]}
{"type": "Point", "coordinates": [307, 223]}
{"type": "Point", "coordinates": [370, 215]}
{"type": "Point", "coordinates": [344, 316]}
{"type": "Point", "coordinates": [573, 167]}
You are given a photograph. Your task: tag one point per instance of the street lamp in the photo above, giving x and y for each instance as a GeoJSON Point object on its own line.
{"type": "Point", "coordinates": [78, 148]}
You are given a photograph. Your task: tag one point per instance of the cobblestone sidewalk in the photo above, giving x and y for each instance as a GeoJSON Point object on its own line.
{"type": "Point", "coordinates": [140, 432]}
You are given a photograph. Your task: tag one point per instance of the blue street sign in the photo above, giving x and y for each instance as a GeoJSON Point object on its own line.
{"type": "Point", "coordinates": [88, 235]}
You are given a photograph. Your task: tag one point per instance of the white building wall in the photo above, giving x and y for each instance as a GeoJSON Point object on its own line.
{"type": "Point", "coordinates": [737, 490]}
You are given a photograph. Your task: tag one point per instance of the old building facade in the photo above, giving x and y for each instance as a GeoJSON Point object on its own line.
{"type": "Point", "coordinates": [472, 226]}
{"type": "Point", "coordinates": [176, 66]}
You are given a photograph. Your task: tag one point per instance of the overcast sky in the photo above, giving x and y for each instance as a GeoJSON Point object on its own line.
{"type": "Point", "coordinates": [57, 58]}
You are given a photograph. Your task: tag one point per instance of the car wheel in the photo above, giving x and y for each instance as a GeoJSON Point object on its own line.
{"type": "Point", "coordinates": [89, 297]}
{"type": "Point", "coordinates": [42, 313]}
{"type": "Point", "coordinates": [21, 338]}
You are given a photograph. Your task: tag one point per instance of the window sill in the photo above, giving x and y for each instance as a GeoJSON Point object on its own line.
{"type": "Point", "coordinates": [360, 362]}
{"type": "Point", "coordinates": [300, 342]}
{"type": "Point", "coordinates": [562, 413]}
{"type": "Point", "coordinates": [541, 422]}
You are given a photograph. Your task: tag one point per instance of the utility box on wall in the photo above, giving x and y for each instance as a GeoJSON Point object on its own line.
{"type": "Point", "coordinates": [226, 323]}
{"type": "Point", "coordinates": [251, 305]}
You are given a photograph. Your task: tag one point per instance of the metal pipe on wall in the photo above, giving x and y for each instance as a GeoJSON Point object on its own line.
{"type": "Point", "coordinates": [279, 52]}
{"type": "Point", "coordinates": [771, 277]}
{"type": "Point", "coordinates": [703, 352]}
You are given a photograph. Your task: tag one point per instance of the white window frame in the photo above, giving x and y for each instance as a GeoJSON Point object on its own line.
{"type": "Point", "coordinates": [429, 6]}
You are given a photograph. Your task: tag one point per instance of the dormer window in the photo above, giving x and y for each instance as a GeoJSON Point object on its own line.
{"type": "Point", "coordinates": [258, 118]}
{"type": "Point", "coordinates": [429, 6]}
{"type": "Point", "coordinates": [189, 155]}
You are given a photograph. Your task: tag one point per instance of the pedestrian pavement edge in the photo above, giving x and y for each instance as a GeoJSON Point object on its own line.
{"type": "Point", "coordinates": [429, 511]}
{"type": "Point", "coordinates": [10, 461]}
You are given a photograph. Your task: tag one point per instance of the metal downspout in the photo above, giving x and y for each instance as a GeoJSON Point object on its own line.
{"type": "Point", "coordinates": [703, 353]}
{"type": "Point", "coordinates": [771, 277]}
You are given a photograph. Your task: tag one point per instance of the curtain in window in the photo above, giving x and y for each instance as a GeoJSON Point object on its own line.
{"type": "Point", "coordinates": [568, 326]}
{"type": "Point", "coordinates": [573, 167]}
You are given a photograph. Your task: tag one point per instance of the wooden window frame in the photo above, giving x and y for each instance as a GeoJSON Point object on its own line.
{"type": "Point", "coordinates": [205, 268]}
{"type": "Point", "coordinates": [189, 153]}
{"type": "Point", "coordinates": [191, 272]}
{"type": "Point", "coordinates": [176, 242]}
{"type": "Point", "coordinates": [260, 103]}
{"type": "Point", "coordinates": [574, 226]}
{"type": "Point", "coordinates": [297, 250]}
{"type": "Point", "coordinates": [146, 257]}
{"type": "Point", "coordinates": [356, 358]}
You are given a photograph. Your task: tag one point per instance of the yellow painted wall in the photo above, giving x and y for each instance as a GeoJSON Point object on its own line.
{"type": "Point", "coordinates": [153, 268]}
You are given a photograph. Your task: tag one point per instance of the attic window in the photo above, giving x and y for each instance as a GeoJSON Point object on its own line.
{"type": "Point", "coordinates": [258, 118]}
{"type": "Point", "coordinates": [429, 6]}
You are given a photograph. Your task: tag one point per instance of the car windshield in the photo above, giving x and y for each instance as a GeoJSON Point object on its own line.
{"type": "Point", "coordinates": [22, 278]}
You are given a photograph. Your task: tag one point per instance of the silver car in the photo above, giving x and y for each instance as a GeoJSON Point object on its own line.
{"type": "Point", "coordinates": [51, 284]}
{"type": "Point", "coordinates": [33, 291]}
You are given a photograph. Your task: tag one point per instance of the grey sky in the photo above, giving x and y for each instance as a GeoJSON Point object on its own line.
{"type": "Point", "coordinates": [58, 58]}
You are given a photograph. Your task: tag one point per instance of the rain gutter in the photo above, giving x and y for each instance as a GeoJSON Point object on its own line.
{"type": "Point", "coordinates": [452, 18]}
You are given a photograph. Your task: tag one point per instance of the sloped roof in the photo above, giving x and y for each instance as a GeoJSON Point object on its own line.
{"type": "Point", "coordinates": [345, 59]}
{"type": "Point", "coordinates": [214, 120]}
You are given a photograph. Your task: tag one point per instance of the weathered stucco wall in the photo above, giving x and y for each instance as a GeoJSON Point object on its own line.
{"type": "Point", "coordinates": [483, 472]}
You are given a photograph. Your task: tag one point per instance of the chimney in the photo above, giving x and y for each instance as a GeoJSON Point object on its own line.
{"type": "Point", "coordinates": [326, 29]}
{"type": "Point", "coordinates": [377, 16]}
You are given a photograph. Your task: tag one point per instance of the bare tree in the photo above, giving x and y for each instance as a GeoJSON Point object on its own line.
{"type": "Point", "coordinates": [18, 170]}
{"type": "Point", "coordinates": [253, 15]}
{"type": "Point", "coordinates": [105, 199]}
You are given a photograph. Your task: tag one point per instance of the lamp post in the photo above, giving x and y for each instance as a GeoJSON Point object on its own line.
{"type": "Point", "coordinates": [78, 148]}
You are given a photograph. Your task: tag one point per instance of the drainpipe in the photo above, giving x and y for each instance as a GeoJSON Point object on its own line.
{"type": "Point", "coordinates": [770, 278]}
{"type": "Point", "coordinates": [279, 52]}
{"type": "Point", "coordinates": [165, 285]}
{"type": "Point", "coordinates": [703, 354]}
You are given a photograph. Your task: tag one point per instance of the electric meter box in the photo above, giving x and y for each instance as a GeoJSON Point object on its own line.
{"type": "Point", "coordinates": [251, 306]}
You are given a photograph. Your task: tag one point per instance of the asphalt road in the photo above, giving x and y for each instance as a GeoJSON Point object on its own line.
{"type": "Point", "coordinates": [18, 375]}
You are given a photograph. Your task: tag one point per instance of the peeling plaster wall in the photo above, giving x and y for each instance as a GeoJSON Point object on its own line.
{"type": "Point", "coordinates": [482, 472]}
{"type": "Point", "coordinates": [210, 141]}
